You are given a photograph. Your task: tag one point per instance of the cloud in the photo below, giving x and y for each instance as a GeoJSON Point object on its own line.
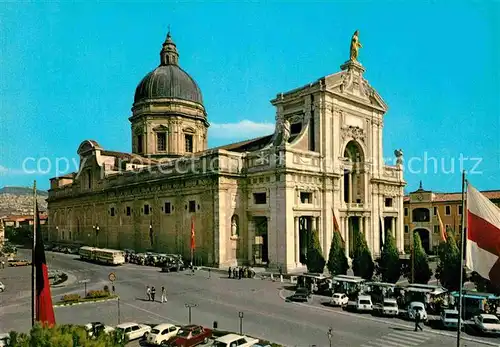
{"type": "Point", "coordinates": [244, 129]}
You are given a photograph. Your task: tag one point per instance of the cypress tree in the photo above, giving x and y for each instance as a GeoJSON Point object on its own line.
{"type": "Point", "coordinates": [448, 269]}
{"type": "Point", "coordinates": [422, 271]}
{"type": "Point", "coordinates": [315, 261]}
{"type": "Point", "coordinates": [362, 262]}
{"type": "Point", "coordinates": [389, 265]}
{"type": "Point", "coordinates": [337, 261]}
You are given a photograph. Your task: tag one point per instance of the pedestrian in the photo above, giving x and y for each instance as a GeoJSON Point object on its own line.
{"type": "Point", "coordinates": [113, 288]}
{"type": "Point", "coordinates": [3, 264]}
{"type": "Point", "coordinates": [153, 292]}
{"type": "Point", "coordinates": [229, 271]}
{"type": "Point", "coordinates": [240, 273]}
{"type": "Point", "coordinates": [417, 321]}
{"type": "Point", "coordinates": [163, 295]}
{"type": "Point", "coordinates": [148, 293]}
{"type": "Point", "coordinates": [235, 273]}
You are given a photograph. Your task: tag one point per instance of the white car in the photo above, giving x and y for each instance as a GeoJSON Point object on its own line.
{"type": "Point", "coordinates": [96, 326]}
{"type": "Point", "coordinates": [4, 339]}
{"type": "Point", "coordinates": [339, 299]}
{"type": "Point", "coordinates": [389, 307]}
{"type": "Point", "coordinates": [233, 340]}
{"type": "Point", "coordinates": [133, 330]}
{"type": "Point", "coordinates": [487, 323]}
{"type": "Point", "coordinates": [449, 318]}
{"type": "Point", "coordinates": [2, 287]}
{"type": "Point", "coordinates": [364, 303]}
{"type": "Point", "coordinates": [161, 333]}
{"type": "Point", "coordinates": [415, 307]}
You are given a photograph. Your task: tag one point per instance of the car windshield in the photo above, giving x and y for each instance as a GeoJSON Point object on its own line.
{"type": "Point", "coordinates": [336, 296]}
{"type": "Point", "coordinates": [364, 302]}
{"type": "Point", "coordinates": [390, 304]}
{"type": "Point", "coordinates": [183, 333]}
{"type": "Point", "coordinates": [219, 344]}
{"type": "Point", "coordinates": [155, 331]}
{"type": "Point", "coordinates": [452, 315]}
{"type": "Point", "coordinates": [417, 308]}
{"type": "Point", "coordinates": [490, 321]}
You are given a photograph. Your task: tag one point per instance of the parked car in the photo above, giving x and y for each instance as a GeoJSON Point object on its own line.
{"type": "Point", "coordinates": [487, 324]}
{"type": "Point", "coordinates": [2, 287]}
{"type": "Point", "coordinates": [389, 307]}
{"type": "Point", "coordinates": [133, 330]}
{"type": "Point", "coordinates": [339, 299]}
{"type": "Point", "coordinates": [449, 318]}
{"type": "Point", "coordinates": [364, 303]}
{"type": "Point", "coordinates": [300, 295]}
{"type": "Point", "coordinates": [190, 335]}
{"type": "Point", "coordinates": [231, 340]}
{"type": "Point", "coordinates": [415, 307]}
{"type": "Point", "coordinates": [161, 333]}
{"type": "Point", "coordinates": [95, 328]}
{"type": "Point", "coordinates": [4, 339]}
{"type": "Point", "coordinates": [19, 262]}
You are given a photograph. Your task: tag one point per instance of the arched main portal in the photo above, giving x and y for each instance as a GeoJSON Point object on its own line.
{"type": "Point", "coordinates": [354, 180]}
{"type": "Point", "coordinates": [425, 237]}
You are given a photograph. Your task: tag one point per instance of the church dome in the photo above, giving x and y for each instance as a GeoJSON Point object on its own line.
{"type": "Point", "coordinates": [168, 81]}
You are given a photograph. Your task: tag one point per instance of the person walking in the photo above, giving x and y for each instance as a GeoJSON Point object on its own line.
{"type": "Point", "coordinates": [148, 293]}
{"type": "Point", "coordinates": [240, 272]}
{"type": "Point", "coordinates": [163, 295]}
{"type": "Point", "coordinates": [229, 271]}
{"type": "Point", "coordinates": [417, 321]}
{"type": "Point", "coordinates": [153, 292]}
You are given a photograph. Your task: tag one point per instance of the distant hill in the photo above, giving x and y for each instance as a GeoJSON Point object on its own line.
{"type": "Point", "coordinates": [19, 200]}
{"type": "Point", "coordinates": [22, 191]}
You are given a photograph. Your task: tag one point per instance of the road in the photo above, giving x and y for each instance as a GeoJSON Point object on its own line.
{"type": "Point", "coordinates": [218, 298]}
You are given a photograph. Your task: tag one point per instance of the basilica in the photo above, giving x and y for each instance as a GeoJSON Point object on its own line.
{"type": "Point", "coordinates": [254, 202]}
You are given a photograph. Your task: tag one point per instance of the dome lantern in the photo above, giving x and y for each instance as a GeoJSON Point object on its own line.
{"type": "Point", "coordinates": [169, 54]}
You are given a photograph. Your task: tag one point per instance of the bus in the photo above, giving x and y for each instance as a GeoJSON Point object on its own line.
{"type": "Point", "coordinates": [350, 285]}
{"type": "Point", "coordinates": [102, 255]}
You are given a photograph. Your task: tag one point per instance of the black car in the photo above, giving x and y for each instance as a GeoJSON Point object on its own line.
{"type": "Point", "coordinates": [298, 297]}
{"type": "Point", "coordinates": [172, 263]}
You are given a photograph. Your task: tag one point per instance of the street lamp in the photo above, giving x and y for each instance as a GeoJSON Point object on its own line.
{"type": "Point", "coordinates": [96, 229]}
{"type": "Point", "coordinates": [329, 334]}
{"type": "Point", "coordinates": [57, 232]}
{"type": "Point", "coordinates": [189, 307]}
{"type": "Point", "coordinates": [240, 314]}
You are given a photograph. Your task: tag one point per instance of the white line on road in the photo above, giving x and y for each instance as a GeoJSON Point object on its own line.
{"type": "Point", "coordinates": [466, 338]}
{"type": "Point", "coordinates": [152, 313]}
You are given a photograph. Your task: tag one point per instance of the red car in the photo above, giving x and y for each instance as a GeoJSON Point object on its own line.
{"type": "Point", "coordinates": [190, 335]}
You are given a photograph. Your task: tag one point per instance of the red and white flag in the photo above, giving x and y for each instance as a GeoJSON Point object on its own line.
{"type": "Point", "coordinates": [336, 227]}
{"type": "Point", "coordinates": [483, 236]}
{"type": "Point", "coordinates": [193, 244]}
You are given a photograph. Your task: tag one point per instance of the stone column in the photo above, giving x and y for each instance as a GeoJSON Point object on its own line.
{"type": "Point", "coordinates": [362, 225]}
{"type": "Point", "coordinates": [350, 188]}
{"type": "Point", "coordinates": [314, 226]}
{"type": "Point", "coordinates": [393, 227]}
{"type": "Point", "coordinates": [346, 228]}
{"type": "Point", "coordinates": [297, 241]}
{"type": "Point", "coordinates": [251, 239]}
{"type": "Point", "coordinates": [383, 230]}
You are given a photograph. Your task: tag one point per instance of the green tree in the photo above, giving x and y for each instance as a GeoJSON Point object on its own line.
{"type": "Point", "coordinates": [337, 261]}
{"type": "Point", "coordinates": [389, 266]}
{"type": "Point", "coordinates": [418, 259]}
{"type": "Point", "coordinates": [362, 262]}
{"type": "Point", "coordinates": [448, 269]}
{"type": "Point", "coordinates": [315, 261]}
{"type": "Point", "coordinates": [64, 336]}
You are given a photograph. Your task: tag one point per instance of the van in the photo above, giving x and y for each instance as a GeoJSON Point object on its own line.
{"type": "Point", "coordinates": [364, 303]}
{"type": "Point", "coordinates": [449, 318]}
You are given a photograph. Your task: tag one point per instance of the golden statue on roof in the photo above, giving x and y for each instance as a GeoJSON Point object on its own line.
{"type": "Point", "coordinates": [355, 46]}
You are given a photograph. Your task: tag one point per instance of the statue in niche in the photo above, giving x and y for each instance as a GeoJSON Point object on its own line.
{"type": "Point", "coordinates": [285, 131]}
{"type": "Point", "coordinates": [234, 227]}
{"type": "Point", "coordinates": [355, 46]}
{"type": "Point", "coordinates": [399, 156]}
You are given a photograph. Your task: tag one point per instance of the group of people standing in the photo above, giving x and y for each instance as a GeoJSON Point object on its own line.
{"type": "Point", "coordinates": [240, 272]}
{"type": "Point", "coordinates": [151, 293]}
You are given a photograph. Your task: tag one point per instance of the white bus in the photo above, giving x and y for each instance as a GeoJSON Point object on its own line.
{"type": "Point", "coordinates": [103, 256]}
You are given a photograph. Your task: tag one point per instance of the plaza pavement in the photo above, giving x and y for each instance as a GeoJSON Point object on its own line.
{"type": "Point", "coordinates": [218, 298]}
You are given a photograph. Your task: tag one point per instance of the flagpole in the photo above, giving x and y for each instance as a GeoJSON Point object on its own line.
{"type": "Point", "coordinates": [33, 272]}
{"type": "Point", "coordinates": [462, 246]}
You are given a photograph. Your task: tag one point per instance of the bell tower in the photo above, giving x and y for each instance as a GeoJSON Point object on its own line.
{"type": "Point", "coordinates": [168, 117]}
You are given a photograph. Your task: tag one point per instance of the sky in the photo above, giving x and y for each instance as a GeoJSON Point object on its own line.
{"type": "Point", "coordinates": [68, 72]}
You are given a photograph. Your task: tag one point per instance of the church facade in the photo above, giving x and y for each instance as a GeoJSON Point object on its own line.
{"type": "Point", "coordinates": [253, 202]}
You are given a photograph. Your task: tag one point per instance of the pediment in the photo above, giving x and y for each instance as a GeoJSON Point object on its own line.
{"type": "Point", "coordinates": [351, 84]}
{"type": "Point", "coordinates": [160, 128]}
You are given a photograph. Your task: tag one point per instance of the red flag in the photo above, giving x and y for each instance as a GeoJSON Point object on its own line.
{"type": "Point", "coordinates": [441, 227]}
{"type": "Point", "coordinates": [483, 236]}
{"type": "Point", "coordinates": [43, 301]}
{"type": "Point", "coordinates": [192, 233]}
{"type": "Point", "coordinates": [336, 226]}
